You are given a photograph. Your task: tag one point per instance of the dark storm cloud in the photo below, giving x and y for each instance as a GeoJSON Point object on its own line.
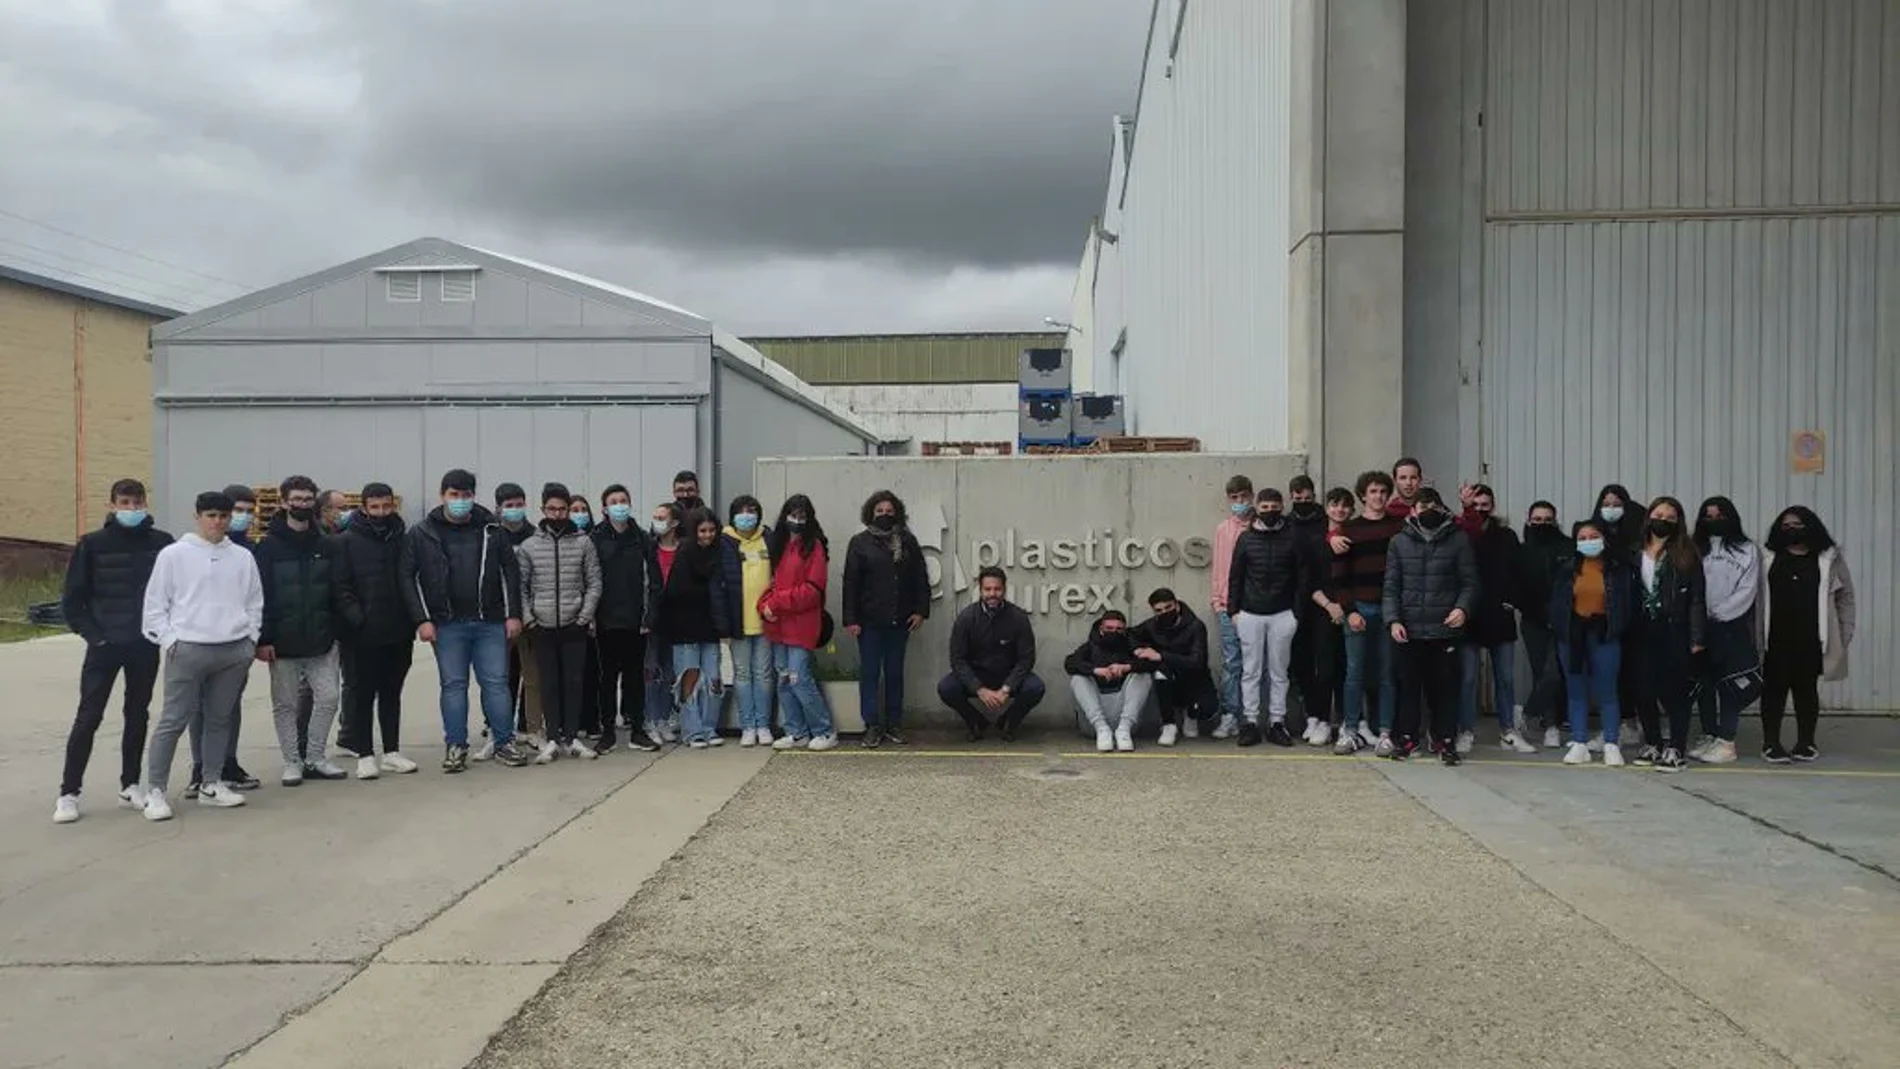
{"type": "Point", "coordinates": [962, 131]}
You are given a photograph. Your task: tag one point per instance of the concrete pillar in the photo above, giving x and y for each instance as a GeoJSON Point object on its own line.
{"type": "Point", "coordinates": [1346, 290]}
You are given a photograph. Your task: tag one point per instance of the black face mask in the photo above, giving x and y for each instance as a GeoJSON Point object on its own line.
{"type": "Point", "coordinates": [1271, 521]}
{"type": "Point", "coordinates": [1542, 533]}
{"type": "Point", "coordinates": [1723, 529]}
{"type": "Point", "coordinates": [1795, 536]}
{"type": "Point", "coordinates": [885, 522]}
{"type": "Point", "coordinates": [1306, 511]}
{"type": "Point", "coordinates": [1167, 621]}
{"type": "Point", "coordinates": [1661, 528]}
{"type": "Point", "coordinates": [379, 523]}
{"type": "Point", "coordinates": [1432, 519]}
{"type": "Point", "coordinates": [1115, 640]}
{"type": "Point", "coordinates": [301, 513]}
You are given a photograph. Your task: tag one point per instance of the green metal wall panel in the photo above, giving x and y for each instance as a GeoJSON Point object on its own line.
{"type": "Point", "coordinates": [904, 359]}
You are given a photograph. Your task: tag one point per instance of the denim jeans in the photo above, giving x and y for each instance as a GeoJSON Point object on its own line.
{"type": "Point", "coordinates": [482, 646]}
{"type": "Point", "coordinates": [1604, 660]}
{"type": "Point", "coordinates": [699, 716]}
{"type": "Point", "coordinates": [801, 701]}
{"type": "Point", "coordinates": [1230, 664]}
{"type": "Point", "coordinates": [1369, 663]}
{"type": "Point", "coordinates": [881, 657]}
{"type": "Point", "coordinates": [1545, 703]}
{"type": "Point", "coordinates": [752, 678]}
{"type": "Point", "coordinates": [1503, 685]}
{"type": "Point", "coordinates": [657, 672]}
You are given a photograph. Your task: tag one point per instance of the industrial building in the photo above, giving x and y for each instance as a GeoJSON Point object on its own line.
{"type": "Point", "coordinates": [916, 390]}
{"type": "Point", "coordinates": [77, 413]}
{"type": "Point", "coordinates": [435, 355]}
{"type": "Point", "coordinates": [1546, 244]}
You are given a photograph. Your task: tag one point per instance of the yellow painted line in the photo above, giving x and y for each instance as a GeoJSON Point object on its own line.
{"type": "Point", "coordinates": [859, 751]}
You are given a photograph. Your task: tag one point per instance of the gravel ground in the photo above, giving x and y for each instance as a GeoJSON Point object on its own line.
{"type": "Point", "coordinates": [964, 912]}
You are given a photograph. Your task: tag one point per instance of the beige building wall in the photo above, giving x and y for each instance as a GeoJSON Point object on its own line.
{"type": "Point", "coordinates": [76, 413]}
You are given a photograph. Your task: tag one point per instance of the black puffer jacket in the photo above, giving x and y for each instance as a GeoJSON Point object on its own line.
{"type": "Point", "coordinates": [1538, 558]}
{"type": "Point", "coordinates": [469, 565]}
{"type": "Point", "coordinates": [879, 590]}
{"type": "Point", "coordinates": [693, 603]}
{"type": "Point", "coordinates": [104, 599]}
{"type": "Point", "coordinates": [629, 579]}
{"type": "Point", "coordinates": [369, 582]}
{"type": "Point", "coordinates": [300, 593]}
{"type": "Point", "coordinates": [1497, 551]}
{"type": "Point", "coordinates": [1428, 573]}
{"type": "Point", "coordinates": [1100, 651]}
{"type": "Point", "coordinates": [1183, 646]}
{"type": "Point", "coordinates": [1271, 572]}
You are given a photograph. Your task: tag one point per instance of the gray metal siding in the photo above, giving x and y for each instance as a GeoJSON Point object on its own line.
{"type": "Point", "coordinates": [526, 368]}
{"type": "Point", "coordinates": [755, 422]}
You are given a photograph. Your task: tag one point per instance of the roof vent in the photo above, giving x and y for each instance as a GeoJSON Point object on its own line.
{"type": "Point", "coordinates": [404, 286]}
{"type": "Point", "coordinates": [458, 287]}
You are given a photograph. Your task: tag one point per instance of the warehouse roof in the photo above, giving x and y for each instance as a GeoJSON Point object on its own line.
{"type": "Point", "coordinates": [84, 293]}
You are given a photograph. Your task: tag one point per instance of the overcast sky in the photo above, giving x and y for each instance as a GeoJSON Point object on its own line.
{"type": "Point", "coordinates": [780, 166]}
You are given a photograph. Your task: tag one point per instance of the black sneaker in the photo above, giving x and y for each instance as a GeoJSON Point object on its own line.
{"type": "Point", "coordinates": [1403, 748]}
{"type": "Point", "coordinates": [316, 771]}
{"type": "Point", "coordinates": [514, 754]}
{"type": "Point", "coordinates": [891, 736]}
{"type": "Point", "coordinates": [1671, 761]}
{"type": "Point", "coordinates": [1774, 754]}
{"type": "Point", "coordinates": [1005, 731]}
{"type": "Point", "coordinates": [238, 779]}
{"type": "Point", "coordinates": [1805, 752]}
{"type": "Point", "coordinates": [1449, 756]}
{"type": "Point", "coordinates": [638, 739]}
{"type": "Point", "coordinates": [873, 737]}
{"type": "Point", "coordinates": [1647, 756]}
{"type": "Point", "coordinates": [191, 789]}
{"type": "Point", "coordinates": [1278, 735]}
{"type": "Point", "coordinates": [455, 759]}
{"type": "Point", "coordinates": [1249, 733]}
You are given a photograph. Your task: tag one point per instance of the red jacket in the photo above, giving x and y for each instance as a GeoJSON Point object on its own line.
{"type": "Point", "coordinates": [796, 595]}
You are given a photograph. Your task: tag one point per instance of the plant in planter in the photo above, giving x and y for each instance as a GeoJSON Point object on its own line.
{"type": "Point", "coordinates": [838, 679]}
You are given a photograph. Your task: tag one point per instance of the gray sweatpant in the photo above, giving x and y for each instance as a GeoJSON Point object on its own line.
{"type": "Point", "coordinates": [288, 677]}
{"type": "Point", "coordinates": [201, 682]}
{"type": "Point", "coordinates": [1266, 643]}
{"type": "Point", "coordinates": [1116, 709]}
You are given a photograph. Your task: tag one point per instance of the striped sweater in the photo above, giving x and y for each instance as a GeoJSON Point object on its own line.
{"type": "Point", "coordinates": [1359, 573]}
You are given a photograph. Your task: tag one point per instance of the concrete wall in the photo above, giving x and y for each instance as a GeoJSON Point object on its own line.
{"type": "Point", "coordinates": [973, 412]}
{"type": "Point", "coordinates": [76, 413]}
{"type": "Point", "coordinates": [970, 512]}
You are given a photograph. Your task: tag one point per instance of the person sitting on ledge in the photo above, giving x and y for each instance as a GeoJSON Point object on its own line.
{"type": "Point", "coordinates": [1174, 641]}
{"type": "Point", "coordinates": [992, 657]}
{"type": "Point", "coordinates": [1111, 685]}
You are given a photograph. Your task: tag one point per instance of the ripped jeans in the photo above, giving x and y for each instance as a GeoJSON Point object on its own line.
{"type": "Point", "coordinates": [801, 703]}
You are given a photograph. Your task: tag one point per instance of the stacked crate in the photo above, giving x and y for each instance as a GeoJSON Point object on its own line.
{"type": "Point", "coordinates": [1043, 380]}
{"type": "Point", "coordinates": [1095, 416]}
{"type": "Point", "coordinates": [269, 501]}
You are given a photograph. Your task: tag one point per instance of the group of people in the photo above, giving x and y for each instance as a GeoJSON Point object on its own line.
{"type": "Point", "coordinates": [1382, 603]}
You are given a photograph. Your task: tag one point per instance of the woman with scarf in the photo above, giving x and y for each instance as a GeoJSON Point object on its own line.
{"type": "Point", "coordinates": [1729, 675]}
{"type": "Point", "coordinates": [886, 597]}
{"type": "Point", "coordinates": [694, 617]}
{"type": "Point", "coordinates": [1806, 623]}
{"type": "Point", "coordinates": [1669, 633]}
{"type": "Point", "coordinates": [793, 608]}
{"type": "Point", "coordinates": [744, 557]}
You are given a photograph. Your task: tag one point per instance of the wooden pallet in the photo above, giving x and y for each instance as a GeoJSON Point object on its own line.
{"type": "Point", "coordinates": [269, 502]}
{"type": "Point", "coordinates": [967, 449]}
{"type": "Point", "coordinates": [1149, 445]}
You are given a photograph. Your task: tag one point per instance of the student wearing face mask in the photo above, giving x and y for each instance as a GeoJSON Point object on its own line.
{"type": "Point", "coordinates": [1621, 520]}
{"type": "Point", "coordinates": [244, 534]}
{"type": "Point", "coordinates": [694, 616]}
{"type": "Point", "coordinates": [1590, 610]}
{"type": "Point", "coordinates": [560, 592]}
{"type": "Point", "coordinates": [1431, 589]}
{"type": "Point", "coordinates": [1239, 514]}
{"type": "Point", "coordinates": [1174, 641]}
{"type": "Point", "coordinates": [629, 588]}
{"type": "Point", "coordinates": [1360, 553]}
{"type": "Point", "coordinates": [1728, 676]}
{"type": "Point", "coordinates": [1111, 685]}
{"type": "Point", "coordinates": [793, 608]}
{"type": "Point", "coordinates": [1329, 628]}
{"type": "Point", "coordinates": [1544, 548]}
{"type": "Point", "coordinates": [297, 562]}
{"type": "Point", "coordinates": [665, 532]}
{"type": "Point", "coordinates": [1805, 624]}
{"type": "Point", "coordinates": [524, 670]}
{"type": "Point", "coordinates": [1669, 634]}
{"type": "Point", "coordinates": [1267, 581]}
{"type": "Point", "coordinates": [580, 512]}
{"type": "Point", "coordinates": [1307, 520]}
{"type": "Point", "coordinates": [377, 632]}
{"type": "Point", "coordinates": [1493, 626]}
{"type": "Point", "coordinates": [886, 599]}
{"type": "Point", "coordinates": [747, 562]}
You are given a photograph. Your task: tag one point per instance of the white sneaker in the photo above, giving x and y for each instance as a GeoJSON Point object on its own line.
{"type": "Point", "coordinates": [487, 751]}
{"type": "Point", "coordinates": [156, 808]}
{"type": "Point", "coordinates": [1125, 739]}
{"type": "Point", "coordinates": [66, 810]}
{"type": "Point", "coordinates": [669, 731]}
{"type": "Point", "coordinates": [1515, 743]}
{"type": "Point", "coordinates": [1612, 755]}
{"type": "Point", "coordinates": [765, 736]}
{"type": "Point", "coordinates": [1228, 727]}
{"type": "Point", "coordinates": [1322, 734]}
{"type": "Point", "coordinates": [697, 744]}
{"type": "Point", "coordinates": [716, 740]}
{"type": "Point", "coordinates": [1104, 738]}
{"type": "Point", "coordinates": [1596, 743]}
{"type": "Point", "coordinates": [580, 749]}
{"type": "Point", "coordinates": [293, 775]}
{"type": "Point", "coordinates": [1366, 734]}
{"type": "Point", "coordinates": [1169, 733]}
{"type": "Point", "coordinates": [1578, 754]}
{"type": "Point", "coordinates": [1383, 748]}
{"type": "Point", "coordinates": [397, 764]}
{"type": "Point", "coordinates": [1306, 735]}
{"type": "Point", "coordinates": [748, 737]}
{"type": "Point", "coordinates": [1720, 752]}
{"type": "Point", "coordinates": [368, 768]}
{"type": "Point", "coordinates": [132, 797]}
{"type": "Point", "coordinates": [1552, 738]}
{"type": "Point", "coordinates": [549, 750]}
{"type": "Point", "coordinates": [1466, 740]}
{"type": "Point", "coordinates": [823, 742]}
{"type": "Point", "coordinates": [786, 742]}
{"type": "Point", "coordinates": [1701, 747]}
{"type": "Point", "coordinates": [218, 796]}
{"type": "Point", "coordinates": [1190, 728]}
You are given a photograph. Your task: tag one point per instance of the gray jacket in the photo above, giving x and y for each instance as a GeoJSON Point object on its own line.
{"type": "Point", "coordinates": [1837, 611]}
{"type": "Point", "coordinates": [560, 579]}
{"type": "Point", "coordinates": [1428, 574]}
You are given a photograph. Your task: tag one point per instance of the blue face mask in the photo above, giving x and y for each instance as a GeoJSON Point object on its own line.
{"type": "Point", "coordinates": [129, 517]}
{"type": "Point", "coordinates": [1591, 547]}
{"type": "Point", "coordinates": [343, 518]}
{"type": "Point", "coordinates": [619, 513]}
{"type": "Point", "coordinates": [514, 515]}
{"type": "Point", "coordinates": [1611, 513]}
{"type": "Point", "coordinates": [240, 522]}
{"type": "Point", "coordinates": [746, 522]}
{"type": "Point", "coordinates": [459, 507]}
{"type": "Point", "coordinates": [1240, 508]}
{"type": "Point", "coordinates": [581, 519]}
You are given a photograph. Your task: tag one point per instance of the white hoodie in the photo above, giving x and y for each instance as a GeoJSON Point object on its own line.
{"type": "Point", "coordinates": [204, 593]}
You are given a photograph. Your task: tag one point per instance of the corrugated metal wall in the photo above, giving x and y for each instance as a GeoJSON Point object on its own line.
{"type": "Point", "coordinates": [905, 358]}
{"type": "Point", "coordinates": [1691, 251]}
{"type": "Point", "coordinates": [1200, 266]}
